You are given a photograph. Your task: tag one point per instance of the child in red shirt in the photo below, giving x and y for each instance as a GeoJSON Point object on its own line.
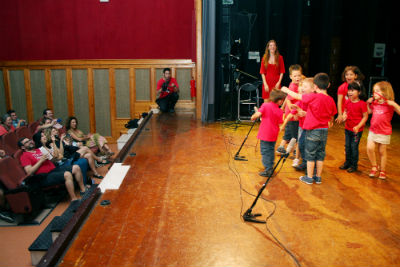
{"type": "Point", "coordinates": [382, 107]}
{"type": "Point", "coordinates": [271, 116]}
{"type": "Point", "coordinates": [349, 75]}
{"type": "Point", "coordinates": [355, 115]}
{"type": "Point", "coordinates": [319, 117]}
{"type": "Point", "coordinates": [292, 126]}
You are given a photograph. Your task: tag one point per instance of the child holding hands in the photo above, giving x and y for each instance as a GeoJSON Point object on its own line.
{"type": "Point", "coordinates": [355, 115]}
{"type": "Point", "coordinates": [320, 111]}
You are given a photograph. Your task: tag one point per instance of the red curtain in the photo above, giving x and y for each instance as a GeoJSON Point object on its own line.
{"type": "Point", "coordinates": [76, 29]}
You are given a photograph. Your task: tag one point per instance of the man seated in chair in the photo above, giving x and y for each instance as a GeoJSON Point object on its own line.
{"type": "Point", "coordinates": [36, 163]}
{"type": "Point", "coordinates": [49, 115]}
{"type": "Point", "coordinates": [167, 92]}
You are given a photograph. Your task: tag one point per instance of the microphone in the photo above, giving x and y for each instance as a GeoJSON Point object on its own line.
{"type": "Point", "coordinates": [235, 57]}
{"type": "Point", "coordinates": [290, 146]}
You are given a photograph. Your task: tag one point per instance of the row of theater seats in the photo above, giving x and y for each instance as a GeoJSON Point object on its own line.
{"type": "Point", "coordinates": [21, 197]}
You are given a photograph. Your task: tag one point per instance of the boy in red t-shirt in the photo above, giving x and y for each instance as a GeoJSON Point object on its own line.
{"type": "Point", "coordinates": [356, 115]}
{"type": "Point", "coordinates": [271, 116]}
{"type": "Point", "coordinates": [292, 126]}
{"type": "Point", "coordinates": [319, 117]}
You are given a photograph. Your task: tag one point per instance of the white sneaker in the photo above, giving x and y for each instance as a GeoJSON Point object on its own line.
{"type": "Point", "coordinates": [295, 163]}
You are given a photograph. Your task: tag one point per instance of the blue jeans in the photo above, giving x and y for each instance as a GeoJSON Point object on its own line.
{"type": "Point", "coordinates": [302, 142]}
{"type": "Point", "coordinates": [291, 130]}
{"type": "Point", "coordinates": [352, 142]}
{"type": "Point", "coordinates": [315, 144]}
{"type": "Point", "coordinates": [267, 154]}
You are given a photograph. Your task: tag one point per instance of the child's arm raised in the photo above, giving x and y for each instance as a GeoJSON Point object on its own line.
{"type": "Point", "coordinates": [395, 105]}
{"type": "Point", "coordinates": [291, 93]}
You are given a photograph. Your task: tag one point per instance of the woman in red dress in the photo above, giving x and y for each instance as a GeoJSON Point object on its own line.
{"type": "Point", "coordinates": [272, 69]}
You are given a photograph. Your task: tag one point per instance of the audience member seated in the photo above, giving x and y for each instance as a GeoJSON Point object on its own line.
{"type": "Point", "coordinates": [16, 122]}
{"type": "Point", "coordinates": [37, 163]}
{"type": "Point", "coordinates": [6, 125]}
{"type": "Point", "coordinates": [4, 214]}
{"type": "Point", "coordinates": [2, 154]}
{"type": "Point", "coordinates": [48, 120]}
{"type": "Point", "coordinates": [73, 153]}
{"type": "Point", "coordinates": [90, 140]}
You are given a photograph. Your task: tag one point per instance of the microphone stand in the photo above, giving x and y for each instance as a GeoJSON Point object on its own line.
{"type": "Point", "coordinates": [247, 74]}
{"type": "Point", "coordinates": [242, 158]}
{"type": "Point", "coordinates": [250, 217]}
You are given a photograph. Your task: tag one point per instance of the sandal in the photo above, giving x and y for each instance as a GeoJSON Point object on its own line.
{"type": "Point", "coordinates": [382, 175]}
{"type": "Point", "coordinates": [98, 176]}
{"type": "Point", "coordinates": [373, 172]}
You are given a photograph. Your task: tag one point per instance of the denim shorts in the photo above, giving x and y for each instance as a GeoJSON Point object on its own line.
{"type": "Point", "coordinates": [315, 144]}
{"type": "Point", "coordinates": [291, 130]}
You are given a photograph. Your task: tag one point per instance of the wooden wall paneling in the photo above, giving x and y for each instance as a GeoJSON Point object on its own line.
{"type": "Point", "coordinates": [7, 89]}
{"type": "Point", "coordinates": [113, 107]}
{"type": "Point", "coordinates": [102, 111]}
{"type": "Point", "coordinates": [132, 91]}
{"type": "Point", "coordinates": [199, 61]}
{"type": "Point", "coordinates": [91, 100]}
{"type": "Point", "coordinates": [183, 77]}
{"type": "Point", "coordinates": [80, 85]}
{"type": "Point", "coordinates": [70, 91]}
{"type": "Point", "coordinates": [122, 93]}
{"type": "Point", "coordinates": [28, 95]}
{"type": "Point", "coordinates": [143, 81]}
{"type": "Point", "coordinates": [38, 92]}
{"type": "Point", "coordinates": [49, 91]}
{"type": "Point", "coordinates": [59, 93]}
{"type": "Point", "coordinates": [17, 93]}
{"type": "Point", "coordinates": [194, 77]}
{"type": "Point", "coordinates": [153, 85]}
{"type": "Point", "coordinates": [3, 100]}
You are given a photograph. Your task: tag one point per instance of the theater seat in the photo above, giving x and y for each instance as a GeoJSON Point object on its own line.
{"type": "Point", "coordinates": [33, 125]}
{"type": "Point", "coordinates": [21, 198]}
{"type": "Point", "coordinates": [23, 131]}
{"type": "Point", "coordinates": [10, 142]}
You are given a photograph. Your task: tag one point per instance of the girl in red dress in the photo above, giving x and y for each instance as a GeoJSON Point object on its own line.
{"type": "Point", "coordinates": [272, 69]}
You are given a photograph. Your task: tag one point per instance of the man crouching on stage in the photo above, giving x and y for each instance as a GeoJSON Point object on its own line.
{"type": "Point", "coordinates": [167, 92]}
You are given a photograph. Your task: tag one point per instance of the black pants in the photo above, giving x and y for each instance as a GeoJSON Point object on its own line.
{"type": "Point", "coordinates": [168, 103]}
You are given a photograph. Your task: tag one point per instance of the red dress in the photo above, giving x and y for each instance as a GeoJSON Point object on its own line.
{"type": "Point", "coordinates": [272, 73]}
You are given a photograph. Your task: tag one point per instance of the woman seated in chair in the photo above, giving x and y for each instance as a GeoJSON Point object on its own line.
{"type": "Point", "coordinates": [72, 153]}
{"type": "Point", "coordinates": [6, 125]}
{"type": "Point", "coordinates": [95, 140]}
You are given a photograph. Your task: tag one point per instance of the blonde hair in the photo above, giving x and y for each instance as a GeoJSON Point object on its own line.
{"type": "Point", "coordinates": [386, 89]}
{"type": "Point", "coordinates": [267, 55]}
{"type": "Point", "coordinates": [307, 80]}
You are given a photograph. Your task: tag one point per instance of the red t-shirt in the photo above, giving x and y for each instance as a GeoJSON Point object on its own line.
{"type": "Point", "coordinates": [3, 130]}
{"type": "Point", "coordinates": [303, 106]}
{"type": "Point", "coordinates": [355, 111]}
{"type": "Point", "coordinates": [270, 119]}
{"type": "Point", "coordinates": [272, 73]}
{"type": "Point", "coordinates": [28, 158]}
{"type": "Point", "coordinates": [295, 88]}
{"type": "Point", "coordinates": [320, 110]}
{"type": "Point", "coordinates": [382, 114]}
{"type": "Point", "coordinates": [342, 90]}
{"type": "Point", "coordinates": [170, 88]}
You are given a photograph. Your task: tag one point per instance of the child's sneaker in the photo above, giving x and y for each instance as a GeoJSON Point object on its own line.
{"type": "Point", "coordinates": [317, 180]}
{"type": "Point", "coordinates": [306, 179]}
{"type": "Point", "coordinates": [280, 150]}
{"type": "Point", "coordinates": [295, 163]}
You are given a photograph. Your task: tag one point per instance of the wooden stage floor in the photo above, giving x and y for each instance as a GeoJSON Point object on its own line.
{"type": "Point", "coordinates": [182, 199]}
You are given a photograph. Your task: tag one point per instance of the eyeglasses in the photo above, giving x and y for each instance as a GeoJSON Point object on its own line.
{"type": "Point", "coordinates": [27, 141]}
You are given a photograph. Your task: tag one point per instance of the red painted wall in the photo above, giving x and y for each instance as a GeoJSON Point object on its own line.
{"type": "Point", "coordinates": [88, 29]}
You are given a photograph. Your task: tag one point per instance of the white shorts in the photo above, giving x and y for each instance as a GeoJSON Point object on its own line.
{"type": "Point", "coordinates": [379, 138]}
